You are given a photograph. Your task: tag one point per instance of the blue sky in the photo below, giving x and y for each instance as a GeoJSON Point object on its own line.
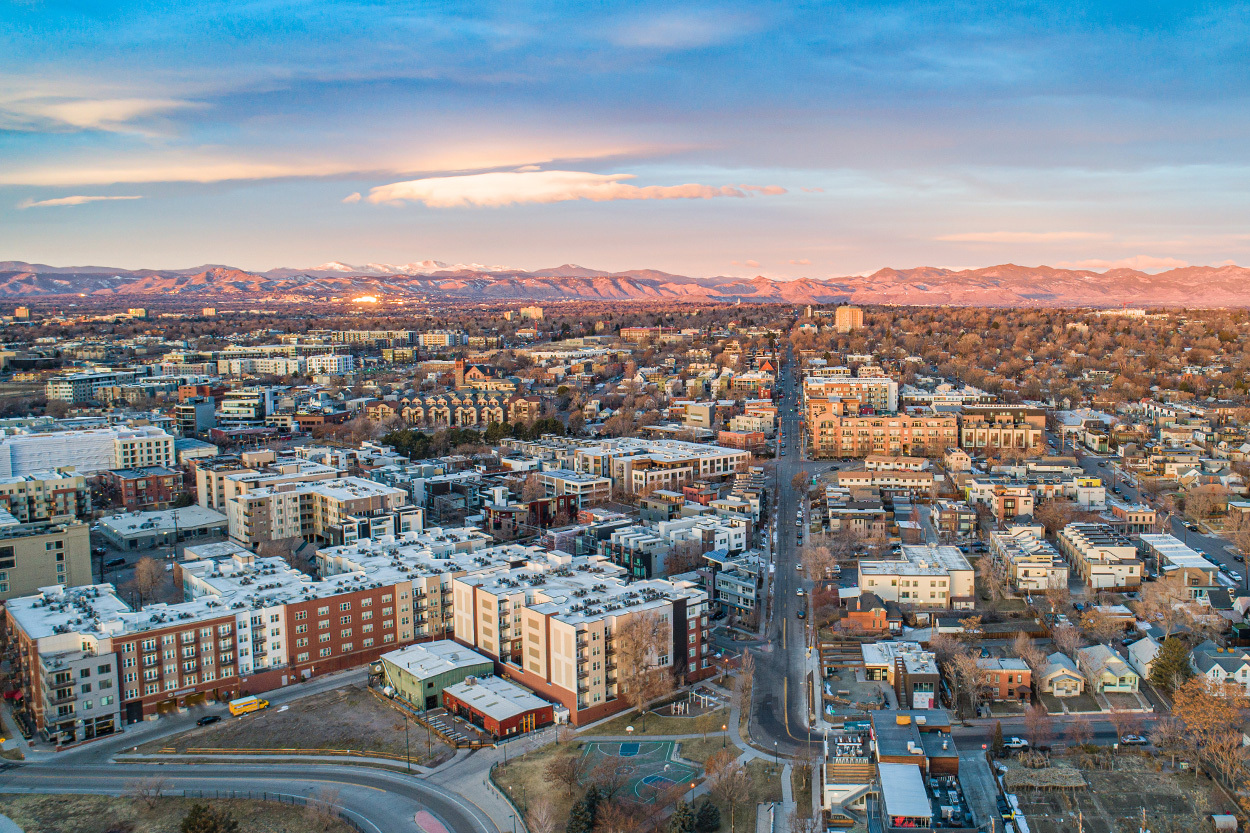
{"type": "Point", "coordinates": [783, 139]}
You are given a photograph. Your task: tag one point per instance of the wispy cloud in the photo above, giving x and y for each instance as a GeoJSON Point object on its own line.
{"type": "Point", "coordinates": [753, 264]}
{"type": "Point", "coordinates": [1022, 237]}
{"type": "Point", "coordinates": [352, 197]}
{"type": "Point", "coordinates": [77, 199]}
{"type": "Point", "coordinates": [681, 30]}
{"type": "Point", "coordinates": [39, 114]}
{"type": "Point", "coordinates": [1145, 263]}
{"type": "Point", "coordinates": [517, 187]}
{"type": "Point", "coordinates": [802, 261]}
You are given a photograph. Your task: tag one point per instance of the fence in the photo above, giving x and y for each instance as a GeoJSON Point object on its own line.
{"type": "Point", "coordinates": [281, 798]}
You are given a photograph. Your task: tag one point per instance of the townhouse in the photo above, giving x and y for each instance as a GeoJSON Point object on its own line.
{"type": "Point", "coordinates": [1103, 558]}
{"type": "Point", "coordinates": [327, 512]}
{"type": "Point", "coordinates": [1030, 562]}
{"type": "Point", "coordinates": [43, 495]}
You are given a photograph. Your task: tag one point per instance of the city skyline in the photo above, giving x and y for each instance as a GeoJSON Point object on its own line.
{"type": "Point", "coordinates": [718, 139]}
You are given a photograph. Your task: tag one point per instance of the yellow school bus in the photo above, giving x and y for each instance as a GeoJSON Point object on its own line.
{"type": "Point", "coordinates": [247, 704]}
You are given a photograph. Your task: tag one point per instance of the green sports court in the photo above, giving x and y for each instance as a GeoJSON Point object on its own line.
{"type": "Point", "coordinates": [647, 765]}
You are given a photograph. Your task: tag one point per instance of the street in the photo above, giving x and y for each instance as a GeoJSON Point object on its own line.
{"type": "Point", "coordinates": [779, 708]}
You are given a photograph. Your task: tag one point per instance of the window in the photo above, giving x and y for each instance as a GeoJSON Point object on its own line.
{"type": "Point", "coordinates": [301, 629]}
{"type": "Point", "coordinates": [302, 657]}
{"type": "Point", "coordinates": [325, 652]}
{"type": "Point", "coordinates": [302, 642]}
{"type": "Point", "coordinates": [345, 620]}
{"type": "Point", "coordinates": [345, 606]}
{"type": "Point", "coordinates": [322, 611]}
{"type": "Point", "coordinates": [325, 637]}
{"type": "Point", "coordinates": [301, 614]}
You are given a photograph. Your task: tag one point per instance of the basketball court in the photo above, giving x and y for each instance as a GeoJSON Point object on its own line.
{"type": "Point", "coordinates": [648, 767]}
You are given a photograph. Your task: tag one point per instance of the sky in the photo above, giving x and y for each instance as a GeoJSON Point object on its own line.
{"type": "Point", "coordinates": [782, 139]}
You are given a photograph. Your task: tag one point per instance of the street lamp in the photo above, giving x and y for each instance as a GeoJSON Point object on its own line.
{"type": "Point", "coordinates": [776, 755]}
{"type": "Point", "coordinates": [407, 748]}
{"type": "Point", "coordinates": [724, 741]}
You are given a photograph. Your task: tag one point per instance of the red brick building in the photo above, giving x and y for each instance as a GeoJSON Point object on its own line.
{"type": "Point", "coordinates": [497, 706]}
{"type": "Point", "coordinates": [145, 488]}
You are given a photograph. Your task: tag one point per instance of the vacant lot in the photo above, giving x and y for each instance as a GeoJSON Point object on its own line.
{"type": "Point", "coordinates": [104, 814]}
{"type": "Point", "coordinates": [1174, 802]}
{"type": "Point", "coordinates": [346, 718]}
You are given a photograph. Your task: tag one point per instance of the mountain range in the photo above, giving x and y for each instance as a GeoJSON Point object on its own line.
{"type": "Point", "coordinates": [1007, 285]}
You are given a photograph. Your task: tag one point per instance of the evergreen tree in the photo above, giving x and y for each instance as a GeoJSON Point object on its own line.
{"type": "Point", "coordinates": [581, 818]}
{"type": "Point", "coordinates": [204, 819]}
{"type": "Point", "coordinates": [1171, 665]}
{"type": "Point", "coordinates": [682, 819]}
{"type": "Point", "coordinates": [997, 743]}
{"type": "Point", "coordinates": [707, 817]}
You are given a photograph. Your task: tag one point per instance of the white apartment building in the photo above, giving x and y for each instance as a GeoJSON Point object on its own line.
{"type": "Point", "coordinates": [333, 364]}
{"type": "Point", "coordinates": [87, 451]}
{"type": "Point", "coordinates": [587, 488]}
{"type": "Point", "coordinates": [328, 511]}
{"type": "Point", "coordinates": [924, 576]}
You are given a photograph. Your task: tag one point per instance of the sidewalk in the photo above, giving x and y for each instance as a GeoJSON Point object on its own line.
{"type": "Point", "coordinates": [12, 732]}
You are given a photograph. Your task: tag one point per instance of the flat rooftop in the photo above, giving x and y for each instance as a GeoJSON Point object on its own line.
{"type": "Point", "coordinates": [433, 658]}
{"type": "Point", "coordinates": [495, 697]}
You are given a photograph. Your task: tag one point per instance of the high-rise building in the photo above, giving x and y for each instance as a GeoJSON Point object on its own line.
{"type": "Point", "coordinates": [847, 319]}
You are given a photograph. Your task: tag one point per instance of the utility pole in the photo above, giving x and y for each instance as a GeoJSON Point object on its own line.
{"type": "Point", "coordinates": [407, 748]}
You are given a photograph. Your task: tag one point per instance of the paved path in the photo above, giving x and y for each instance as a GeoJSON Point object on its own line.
{"type": "Point", "coordinates": [7, 825]}
{"type": "Point", "coordinates": [787, 799]}
{"type": "Point", "coordinates": [977, 780]}
{"type": "Point", "coordinates": [12, 732]}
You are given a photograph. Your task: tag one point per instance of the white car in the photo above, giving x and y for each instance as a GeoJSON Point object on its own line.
{"type": "Point", "coordinates": [799, 592]}
{"type": "Point", "coordinates": [1015, 743]}
{"type": "Point", "coordinates": [798, 567]}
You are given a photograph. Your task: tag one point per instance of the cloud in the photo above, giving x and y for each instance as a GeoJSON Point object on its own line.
{"type": "Point", "coordinates": [754, 264]}
{"type": "Point", "coordinates": [814, 190]}
{"type": "Point", "coordinates": [681, 30]}
{"type": "Point", "coordinates": [353, 197]}
{"type": "Point", "coordinates": [1145, 263]}
{"type": "Point", "coordinates": [516, 187]}
{"type": "Point", "coordinates": [74, 200]}
{"type": "Point", "coordinates": [39, 114]}
{"type": "Point", "coordinates": [801, 262]}
{"type": "Point", "coordinates": [1021, 236]}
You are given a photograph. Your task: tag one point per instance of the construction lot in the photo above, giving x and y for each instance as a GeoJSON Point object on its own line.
{"type": "Point", "coordinates": [350, 718]}
{"type": "Point", "coordinates": [111, 814]}
{"type": "Point", "coordinates": [1112, 801]}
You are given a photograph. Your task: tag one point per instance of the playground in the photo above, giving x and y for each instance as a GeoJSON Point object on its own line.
{"type": "Point", "coordinates": [646, 766]}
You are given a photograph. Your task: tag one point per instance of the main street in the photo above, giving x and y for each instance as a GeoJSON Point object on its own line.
{"type": "Point", "coordinates": [779, 707]}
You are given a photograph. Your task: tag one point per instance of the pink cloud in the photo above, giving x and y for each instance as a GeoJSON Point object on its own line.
{"type": "Point", "coordinates": [1145, 263]}
{"type": "Point", "coordinates": [517, 187]}
{"type": "Point", "coordinates": [801, 262]}
{"type": "Point", "coordinates": [754, 264]}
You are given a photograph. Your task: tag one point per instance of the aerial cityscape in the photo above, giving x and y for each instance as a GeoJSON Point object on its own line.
{"type": "Point", "coordinates": [877, 460]}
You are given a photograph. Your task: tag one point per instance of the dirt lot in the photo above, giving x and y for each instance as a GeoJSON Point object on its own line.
{"type": "Point", "coordinates": [1174, 802]}
{"type": "Point", "coordinates": [346, 718]}
{"type": "Point", "coordinates": [103, 814]}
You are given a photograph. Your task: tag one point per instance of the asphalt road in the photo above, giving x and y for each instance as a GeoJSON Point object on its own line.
{"type": "Point", "coordinates": [779, 705]}
{"type": "Point", "coordinates": [376, 799]}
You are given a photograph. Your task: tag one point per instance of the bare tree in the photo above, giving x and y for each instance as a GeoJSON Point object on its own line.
{"type": "Point", "coordinates": [644, 642]}
{"type": "Point", "coordinates": [147, 578]}
{"type": "Point", "coordinates": [322, 810]}
{"type": "Point", "coordinates": [1037, 724]}
{"type": "Point", "coordinates": [1098, 626]}
{"type": "Point", "coordinates": [1067, 639]}
{"type": "Point", "coordinates": [565, 771]}
{"type": "Point", "coordinates": [728, 782]}
{"type": "Point", "coordinates": [532, 489]}
{"type": "Point", "coordinates": [1033, 656]}
{"type": "Point", "coordinates": [542, 817]}
{"type": "Point", "coordinates": [818, 561]}
{"type": "Point", "coordinates": [1078, 732]}
{"type": "Point", "coordinates": [147, 790]}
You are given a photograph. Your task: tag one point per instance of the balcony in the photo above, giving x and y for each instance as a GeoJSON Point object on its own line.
{"type": "Point", "coordinates": [54, 700]}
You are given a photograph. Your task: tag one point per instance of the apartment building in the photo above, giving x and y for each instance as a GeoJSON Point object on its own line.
{"type": "Point", "coordinates": [909, 669]}
{"type": "Point", "coordinates": [587, 488]}
{"type": "Point", "coordinates": [246, 407]}
{"type": "Point", "coordinates": [41, 496]}
{"type": "Point", "coordinates": [1170, 554]}
{"type": "Point", "coordinates": [643, 465]}
{"type": "Point", "coordinates": [848, 319]}
{"type": "Point", "coordinates": [877, 392]}
{"type": "Point", "coordinates": [923, 575]}
{"type": "Point", "coordinates": [77, 388]}
{"type": "Point", "coordinates": [86, 451]}
{"type": "Point", "coordinates": [1029, 560]}
{"type": "Point", "coordinates": [891, 480]}
{"type": "Point", "coordinates": [221, 480]}
{"type": "Point", "coordinates": [553, 628]}
{"type": "Point", "coordinates": [442, 338]}
{"type": "Point", "coordinates": [145, 487]}
{"type": "Point", "coordinates": [991, 430]}
{"type": "Point", "coordinates": [333, 364]}
{"type": "Point", "coordinates": [330, 512]}
{"type": "Point", "coordinates": [834, 433]}
{"type": "Point", "coordinates": [42, 553]}
{"type": "Point", "coordinates": [1103, 558]}
{"type": "Point", "coordinates": [860, 513]}
{"type": "Point", "coordinates": [884, 462]}
{"type": "Point", "coordinates": [1131, 518]}
{"type": "Point", "coordinates": [953, 518]}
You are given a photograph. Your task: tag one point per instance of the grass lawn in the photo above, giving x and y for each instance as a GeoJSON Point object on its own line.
{"type": "Point", "coordinates": [1080, 703]}
{"type": "Point", "coordinates": [103, 814]}
{"type": "Point", "coordinates": [655, 724]}
{"type": "Point", "coordinates": [346, 718]}
{"type": "Point", "coordinates": [699, 750]}
{"type": "Point", "coordinates": [525, 779]}
{"type": "Point", "coordinates": [765, 781]}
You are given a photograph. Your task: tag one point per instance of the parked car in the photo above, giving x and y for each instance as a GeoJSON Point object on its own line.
{"type": "Point", "coordinates": [799, 567]}
{"type": "Point", "coordinates": [1015, 743]}
{"type": "Point", "coordinates": [1134, 740]}
{"type": "Point", "coordinates": [115, 562]}
{"type": "Point", "coordinates": [802, 614]}
{"type": "Point", "coordinates": [799, 592]}
{"type": "Point", "coordinates": [1239, 558]}
{"type": "Point", "coordinates": [208, 720]}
